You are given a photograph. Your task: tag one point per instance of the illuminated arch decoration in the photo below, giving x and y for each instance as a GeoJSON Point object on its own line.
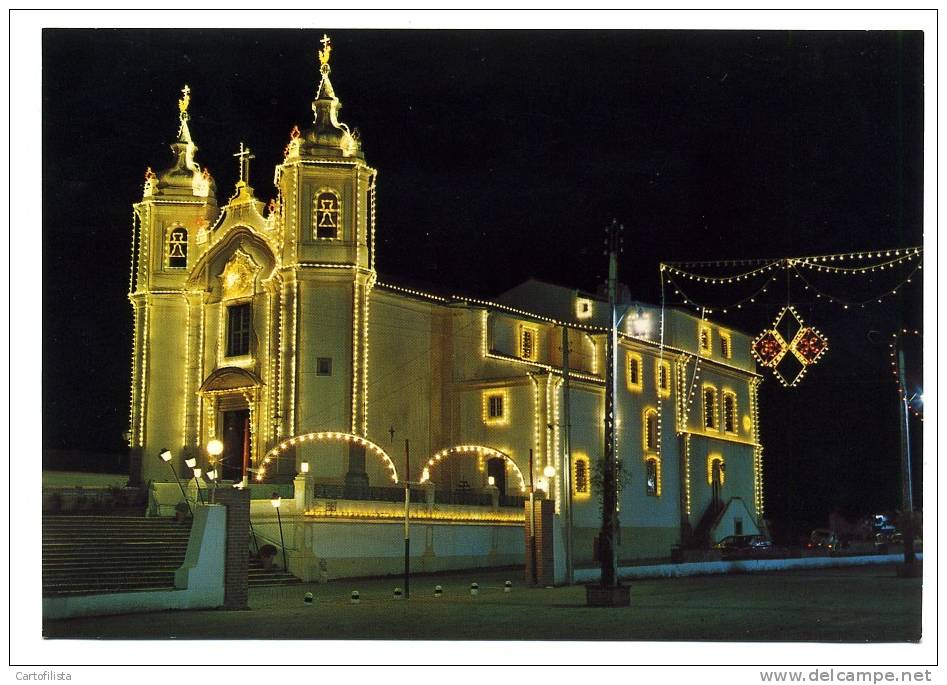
{"type": "Point", "coordinates": [789, 360]}
{"type": "Point", "coordinates": [336, 437]}
{"type": "Point", "coordinates": [480, 451]}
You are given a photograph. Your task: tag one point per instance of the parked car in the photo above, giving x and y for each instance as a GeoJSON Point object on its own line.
{"type": "Point", "coordinates": [744, 544]}
{"type": "Point", "coordinates": [822, 538]}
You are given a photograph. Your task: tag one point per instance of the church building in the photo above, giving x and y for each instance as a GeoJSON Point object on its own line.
{"type": "Point", "coordinates": [264, 325]}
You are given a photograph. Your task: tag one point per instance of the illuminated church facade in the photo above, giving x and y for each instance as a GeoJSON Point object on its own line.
{"type": "Point", "coordinates": [265, 326]}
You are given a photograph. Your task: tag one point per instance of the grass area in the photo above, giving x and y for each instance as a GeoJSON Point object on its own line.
{"type": "Point", "coordinates": [864, 604]}
{"type": "Point", "coordinates": [72, 479]}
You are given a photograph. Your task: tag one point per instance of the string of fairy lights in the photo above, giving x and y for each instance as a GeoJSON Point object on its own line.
{"type": "Point", "coordinates": [806, 344]}
{"type": "Point", "coordinates": [767, 271]}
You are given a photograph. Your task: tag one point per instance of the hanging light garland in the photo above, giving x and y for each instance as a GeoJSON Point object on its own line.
{"type": "Point", "coordinates": [806, 345]}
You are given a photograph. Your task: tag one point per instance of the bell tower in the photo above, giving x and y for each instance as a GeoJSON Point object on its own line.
{"type": "Point", "coordinates": [169, 228]}
{"type": "Point", "coordinates": [327, 202]}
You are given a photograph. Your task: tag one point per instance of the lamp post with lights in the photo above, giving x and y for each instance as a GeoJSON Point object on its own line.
{"type": "Point", "coordinates": [165, 456]}
{"type": "Point", "coordinates": [192, 464]}
{"type": "Point", "coordinates": [276, 501]}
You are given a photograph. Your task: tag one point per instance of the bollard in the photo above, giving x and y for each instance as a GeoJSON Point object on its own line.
{"type": "Point", "coordinates": [398, 594]}
{"type": "Point", "coordinates": [355, 598]}
{"type": "Point", "coordinates": [437, 591]}
{"type": "Point", "coordinates": [474, 588]}
{"type": "Point", "coordinates": [308, 598]}
{"type": "Point", "coordinates": [508, 586]}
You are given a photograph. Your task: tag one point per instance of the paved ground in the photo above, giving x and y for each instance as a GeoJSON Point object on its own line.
{"type": "Point", "coordinates": [833, 605]}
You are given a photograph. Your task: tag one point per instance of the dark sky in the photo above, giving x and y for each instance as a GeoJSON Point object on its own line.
{"type": "Point", "coordinates": [502, 155]}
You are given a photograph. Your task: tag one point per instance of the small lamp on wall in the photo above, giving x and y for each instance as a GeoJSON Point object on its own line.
{"type": "Point", "coordinates": [304, 467]}
{"type": "Point", "coordinates": [491, 481]}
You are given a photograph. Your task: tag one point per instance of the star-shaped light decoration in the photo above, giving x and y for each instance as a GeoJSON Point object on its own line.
{"type": "Point", "coordinates": [806, 344]}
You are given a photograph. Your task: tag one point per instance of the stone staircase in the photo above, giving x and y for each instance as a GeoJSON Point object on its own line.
{"type": "Point", "coordinates": [257, 576]}
{"type": "Point", "coordinates": [85, 555]}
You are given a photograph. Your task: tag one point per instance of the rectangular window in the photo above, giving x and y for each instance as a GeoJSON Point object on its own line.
{"type": "Point", "coordinates": [238, 330]}
{"type": "Point", "coordinates": [323, 366]}
{"type": "Point", "coordinates": [581, 483]}
{"type": "Point", "coordinates": [495, 406]}
{"type": "Point", "coordinates": [706, 340]}
{"type": "Point", "coordinates": [633, 371]}
{"type": "Point", "coordinates": [529, 338]}
{"type": "Point", "coordinates": [729, 412]}
{"type": "Point", "coordinates": [710, 407]}
{"type": "Point", "coordinates": [726, 350]}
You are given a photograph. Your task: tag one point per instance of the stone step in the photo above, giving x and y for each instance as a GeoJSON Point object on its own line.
{"type": "Point", "coordinates": [80, 591]}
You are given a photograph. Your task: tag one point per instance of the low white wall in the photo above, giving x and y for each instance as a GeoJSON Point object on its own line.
{"type": "Point", "coordinates": [321, 549]}
{"type": "Point", "coordinates": [589, 575]}
{"type": "Point", "coordinates": [200, 579]}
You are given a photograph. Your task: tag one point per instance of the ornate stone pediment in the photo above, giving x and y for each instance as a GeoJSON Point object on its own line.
{"type": "Point", "coordinates": [238, 276]}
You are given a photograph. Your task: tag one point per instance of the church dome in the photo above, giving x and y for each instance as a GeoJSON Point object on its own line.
{"type": "Point", "coordinates": [328, 136]}
{"type": "Point", "coordinates": [185, 176]}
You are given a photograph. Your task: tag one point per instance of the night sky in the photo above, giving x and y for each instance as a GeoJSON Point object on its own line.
{"type": "Point", "coordinates": [502, 155]}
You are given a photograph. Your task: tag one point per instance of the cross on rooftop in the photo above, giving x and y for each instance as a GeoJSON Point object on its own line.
{"type": "Point", "coordinates": [245, 156]}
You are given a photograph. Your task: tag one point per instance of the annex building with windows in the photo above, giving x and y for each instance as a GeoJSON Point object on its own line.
{"type": "Point", "coordinates": [265, 325]}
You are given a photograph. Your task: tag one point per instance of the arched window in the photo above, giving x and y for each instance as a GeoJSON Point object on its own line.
{"type": "Point", "coordinates": [633, 372]}
{"type": "Point", "coordinates": [663, 380]}
{"type": "Point", "coordinates": [710, 407]}
{"type": "Point", "coordinates": [729, 411]}
{"type": "Point", "coordinates": [652, 476]}
{"type": "Point", "coordinates": [649, 429]}
{"type": "Point", "coordinates": [177, 248]}
{"type": "Point", "coordinates": [716, 471]}
{"type": "Point", "coordinates": [327, 214]}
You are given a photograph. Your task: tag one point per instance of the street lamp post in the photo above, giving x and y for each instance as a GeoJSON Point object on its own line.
{"type": "Point", "coordinates": [276, 501]}
{"type": "Point", "coordinates": [165, 455]}
{"type": "Point", "coordinates": [214, 449]}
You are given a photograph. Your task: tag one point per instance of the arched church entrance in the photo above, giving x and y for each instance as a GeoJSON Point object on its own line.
{"type": "Point", "coordinates": [229, 397]}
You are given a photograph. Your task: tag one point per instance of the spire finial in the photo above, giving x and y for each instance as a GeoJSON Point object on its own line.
{"type": "Point", "coordinates": [245, 156]}
{"type": "Point", "coordinates": [183, 103]}
{"type": "Point", "coordinates": [325, 53]}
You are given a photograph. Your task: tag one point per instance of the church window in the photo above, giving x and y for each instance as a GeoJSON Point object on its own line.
{"type": "Point", "coordinates": [581, 481]}
{"type": "Point", "coordinates": [649, 429]}
{"type": "Point", "coordinates": [652, 476]}
{"type": "Point", "coordinates": [238, 330]}
{"type": "Point", "coordinates": [323, 366]}
{"type": "Point", "coordinates": [327, 213]}
{"type": "Point", "coordinates": [706, 340]}
{"type": "Point", "coordinates": [633, 371]}
{"type": "Point", "coordinates": [177, 248]}
{"type": "Point", "coordinates": [529, 339]}
{"type": "Point", "coordinates": [664, 378]}
{"type": "Point", "coordinates": [729, 411]}
{"type": "Point", "coordinates": [710, 407]}
{"type": "Point", "coordinates": [726, 347]}
{"type": "Point", "coordinates": [496, 407]}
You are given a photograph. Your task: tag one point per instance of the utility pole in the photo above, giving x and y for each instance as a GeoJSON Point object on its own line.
{"type": "Point", "coordinates": [607, 553]}
{"type": "Point", "coordinates": [907, 493]}
{"type": "Point", "coordinates": [565, 477]}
